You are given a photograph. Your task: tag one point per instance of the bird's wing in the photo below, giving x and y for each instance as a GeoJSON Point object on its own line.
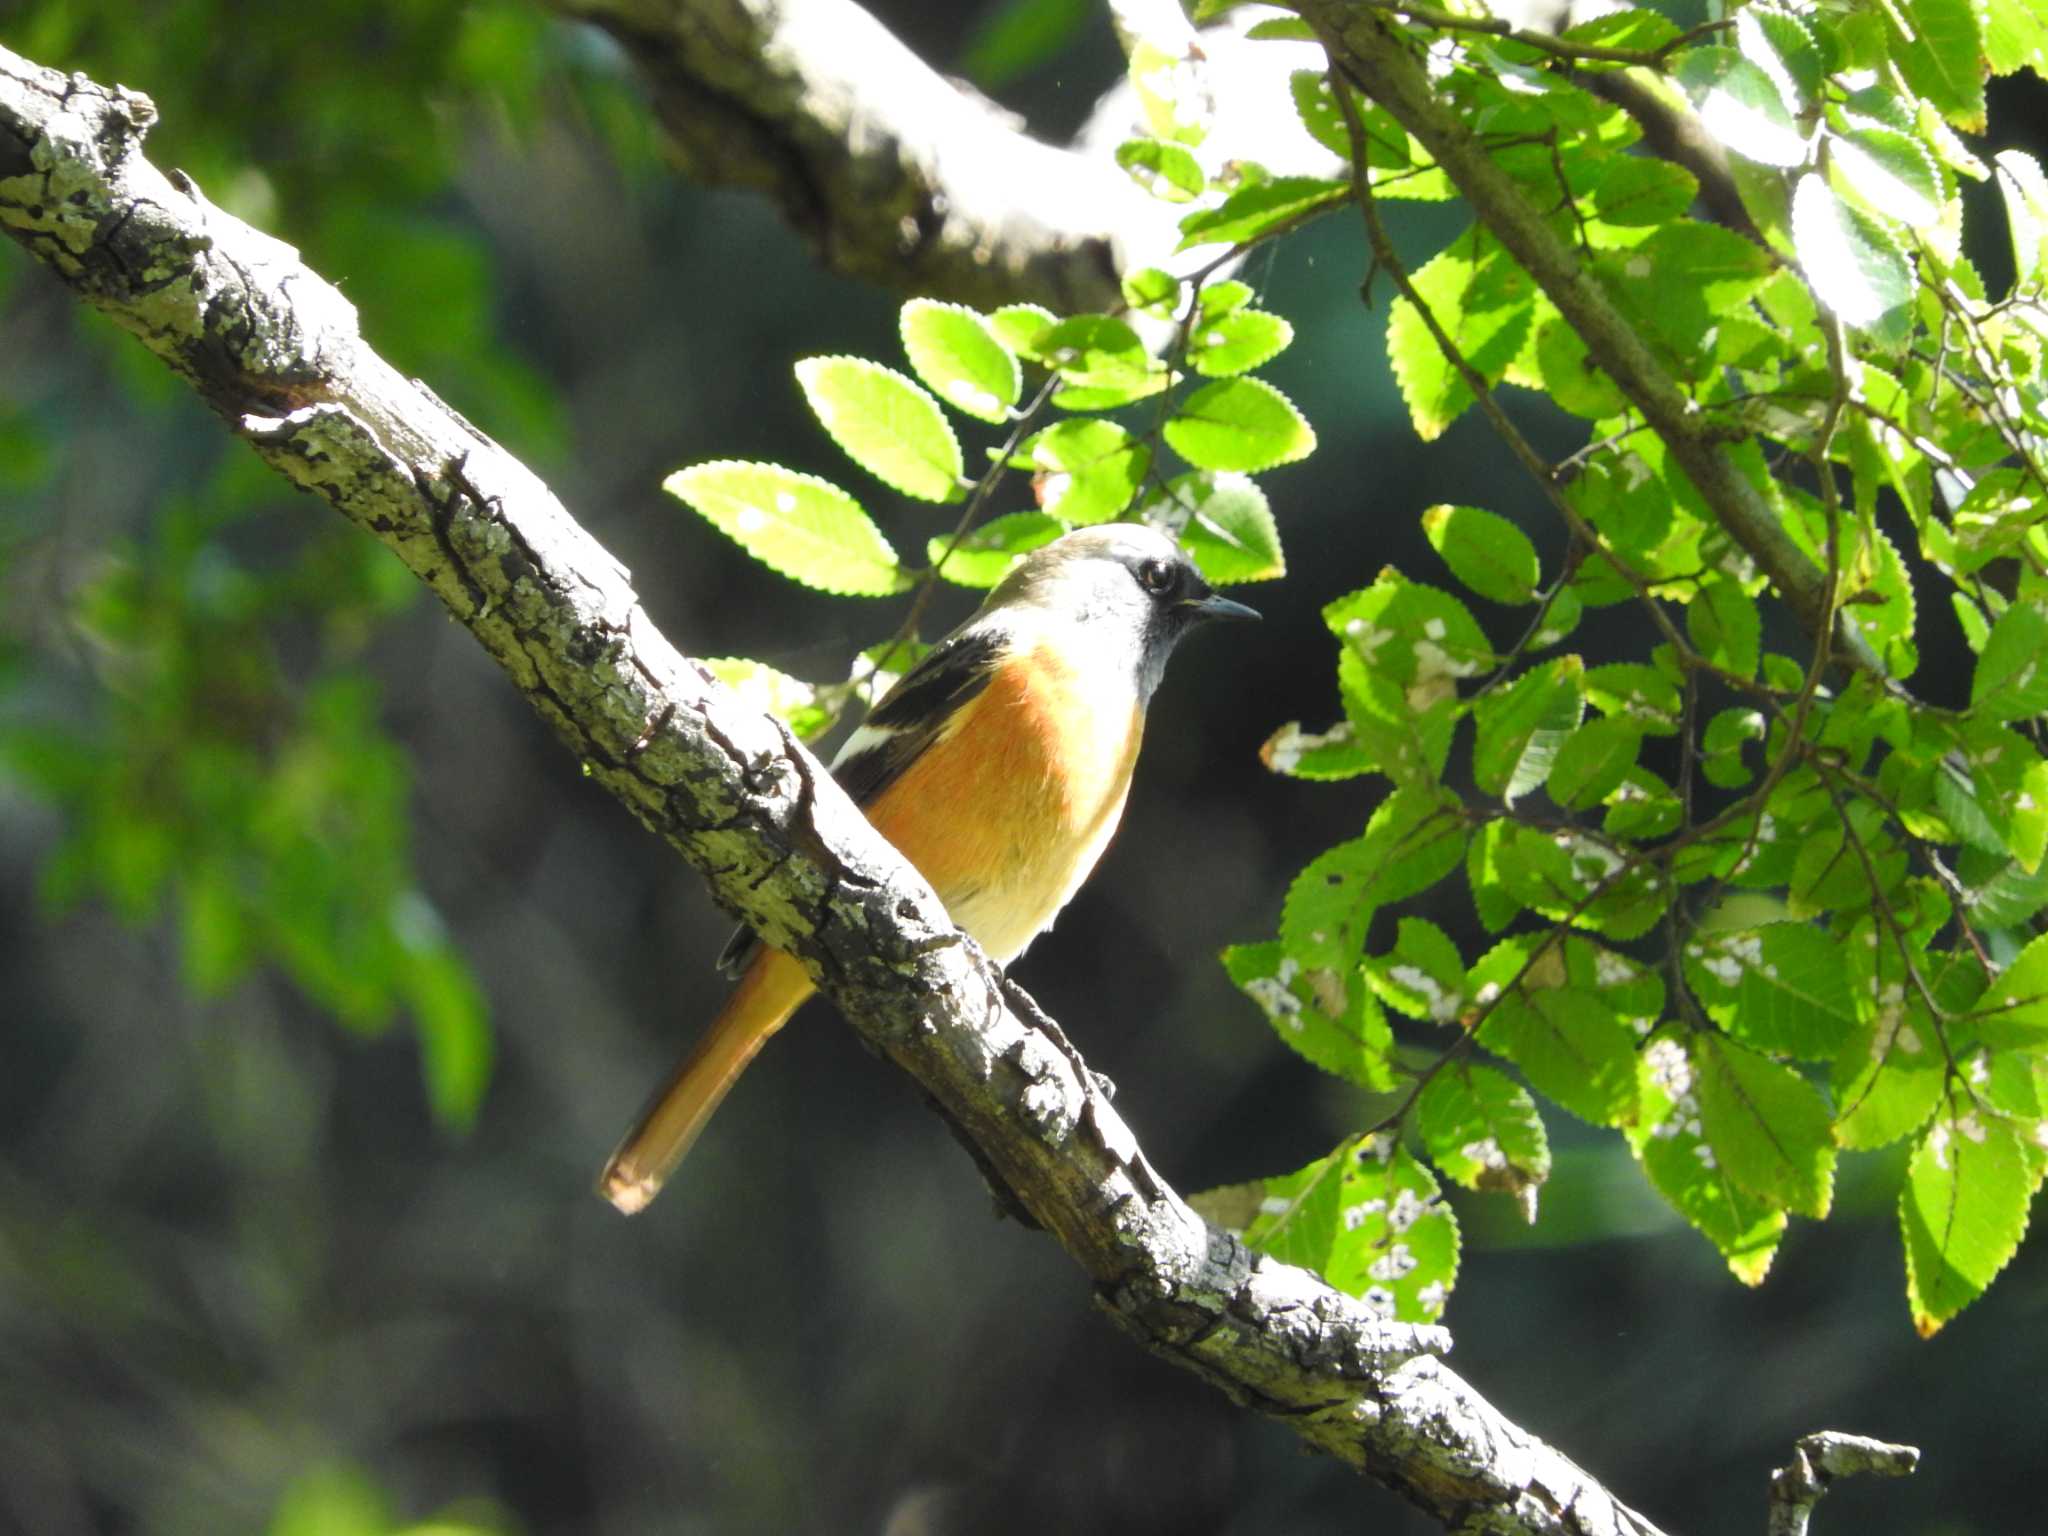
{"type": "Point", "coordinates": [912, 715]}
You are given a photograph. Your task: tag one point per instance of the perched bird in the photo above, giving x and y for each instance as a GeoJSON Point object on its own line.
{"type": "Point", "coordinates": [998, 765]}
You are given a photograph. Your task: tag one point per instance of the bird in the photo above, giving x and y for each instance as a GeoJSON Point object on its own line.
{"type": "Point", "coordinates": [998, 765]}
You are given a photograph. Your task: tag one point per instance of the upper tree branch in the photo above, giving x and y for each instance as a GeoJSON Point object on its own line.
{"type": "Point", "coordinates": [275, 350]}
{"type": "Point", "coordinates": [1369, 49]}
{"type": "Point", "coordinates": [896, 174]}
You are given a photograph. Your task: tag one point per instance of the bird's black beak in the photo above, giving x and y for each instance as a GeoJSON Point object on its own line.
{"type": "Point", "coordinates": [1203, 609]}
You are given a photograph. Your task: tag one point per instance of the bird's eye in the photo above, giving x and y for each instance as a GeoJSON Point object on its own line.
{"type": "Point", "coordinates": [1156, 577]}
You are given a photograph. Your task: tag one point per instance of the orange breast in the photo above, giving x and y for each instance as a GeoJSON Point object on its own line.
{"type": "Point", "coordinates": [1009, 811]}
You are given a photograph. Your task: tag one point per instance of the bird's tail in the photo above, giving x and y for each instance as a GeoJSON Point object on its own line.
{"type": "Point", "coordinates": [772, 989]}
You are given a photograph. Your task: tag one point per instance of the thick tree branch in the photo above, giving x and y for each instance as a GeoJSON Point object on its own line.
{"type": "Point", "coordinates": [894, 173]}
{"type": "Point", "coordinates": [275, 350]}
{"type": "Point", "coordinates": [1366, 46]}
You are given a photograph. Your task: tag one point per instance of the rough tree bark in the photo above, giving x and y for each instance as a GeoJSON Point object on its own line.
{"type": "Point", "coordinates": [276, 352]}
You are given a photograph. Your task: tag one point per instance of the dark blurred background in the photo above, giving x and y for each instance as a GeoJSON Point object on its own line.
{"type": "Point", "coordinates": [254, 1276]}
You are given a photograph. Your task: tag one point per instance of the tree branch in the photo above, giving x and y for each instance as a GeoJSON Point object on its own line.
{"type": "Point", "coordinates": [276, 351]}
{"type": "Point", "coordinates": [1370, 51]}
{"type": "Point", "coordinates": [920, 185]}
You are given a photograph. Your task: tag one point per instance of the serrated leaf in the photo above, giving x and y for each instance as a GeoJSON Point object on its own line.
{"type": "Point", "coordinates": [1423, 975]}
{"type": "Point", "coordinates": [2014, 1011]}
{"type": "Point", "coordinates": [1228, 527]}
{"type": "Point", "coordinates": [1522, 727]}
{"type": "Point", "coordinates": [1237, 342]}
{"type": "Point", "coordinates": [2025, 191]}
{"type": "Point", "coordinates": [1644, 29]}
{"type": "Point", "coordinates": [960, 358]}
{"type": "Point", "coordinates": [1019, 327]}
{"type": "Point", "coordinates": [1887, 1078]}
{"type": "Point", "coordinates": [984, 555]}
{"type": "Point", "coordinates": [1889, 173]}
{"type": "Point", "coordinates": [1634, 191]}
{"type": "Point", "coordinates": [1332, 1024]}
{"type": "Point", "coordinates": [1593, 762]}
{"type": "Point", "coordinates": [1485, 551]}
{"type": "Point", "coordinates": [1570, 1045]}
{"type": "Point", "coordinates": [804, 527]}
{"type": "Point", "coordinates": [1767, 1126]}
{"type": "Point", "coordinates": [789, 699]}
{"type": "Point", "coordinates": [1962, 1211]}
{"type": "Point", "coordinates": [1153, 290]}
{"type": "Point", "coordinates": [1780, 44]}
{"type": "Point", "coordinates": [1725, 626]}
{"type": "Point", "coordinates": [1412, 841]}
{"type": "Point", "coordinates": [1369, 1219]}
{"type": "Point", "coordinates": [1668, 1139]}
{"type": "Point", "coordinates": [1740, 105]}
{"type": "Point", "coordinates": [2016, 36]}
{"type": "Point", "coordinates": [1485, 303]}
{"type": "Point", "coordinates": [1643, 696]}
{"type": "Point", "coordinates": [1569, 375]}
{"type": "Point", "coordinates": [886, 424]}
{"type": "Point", "coordinates": [1239, 424]}
{"type": "Point", "coordinates": [1415, 636]}
{"type": "Point", "coordinates": [1087, 469]}
{"type": "Point", "coordinates": [1680, 280]}
{"type": "Point", "coordinates": [1938, 45]}
{"type": "Point", "coordinates": [1483, 1130]}
{"type": "Point", "coordinates": [1261, 209]}
{"type": "Point", "coordinates": [1101, 362]}
{"type": "Point", "coordinates": [1317, 756]}
{"type": "Point", "coordinates": [1168, 171]}
{"type": "Point", "coordinates": [2011, 677]}
{"type": "Point", "coordinates": [1780, 987]}
{"type": "Point", "coordinates": [1852, 263]}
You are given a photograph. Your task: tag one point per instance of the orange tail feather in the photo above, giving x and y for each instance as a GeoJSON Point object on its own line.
{"type": "Point", "coordinates": [773, 988]}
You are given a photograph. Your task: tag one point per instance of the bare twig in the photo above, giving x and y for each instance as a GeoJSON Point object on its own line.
{"type": "Point", "coordinates": [1817, 1461]}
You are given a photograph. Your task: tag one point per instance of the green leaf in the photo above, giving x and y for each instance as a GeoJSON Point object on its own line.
{"type": "Point", "coordinates": [1938, 47]}
{"type": "Point", "coordinates": [1261, 209]}
{"type": "Point", "coordinates": [2014, 1012]}
{"type": "Point", "coordinates": [1320, 757]}
{"type": "Point", "coordinates": [1889, 173]}
{"type": "Point", "coordinates": [1592, 763]}
{"type": "Point", "coordinates": [1485, 303]}
{"type": "Point", "coordinates": [1482, 1129]}
{"type": "Point", "coordinates": [1522, 727]}
{"type": "Point", "coordinates": [1725, 625]}
{"type": "Point", "coordinates": [1854, 265]}
{"type": "Point", "coordinates": [1780, 987]}
{"type": "Point", "coordinates": [1485, 551]}
{"type": "Point", "coordinates": [1020, 327]}
{"type": "Point", "coordinates": [1740, 105]}
{"type": "Point", "coordinates": [1722, 747]}
{"type": "Point", "coordinates": [2016, 36]}
{"type": "Point", "coordinates": [1240, 424]}
{"type": "Point", "coordinates": [984, 555]}
{"type": "Point", "coordinates": [1423, 976]}
{"type": "Point", "coordinates": [1635, 192]}
{"type": "Point", "coordinates": [1088, 469]}
{"type": "Point", "coordinates": [1887, 1078]}
{"type": "Point", "coordinates": [1229, 528]}
{"type": "Point", "coordinates": [958, 355]}
{"type": "Point", "coordinates": [1369, 1219]}
{"type": "Point", "coordinates": [1168, 171]}
{"type": "Point", "coordinates": [1680, 280]}
{"type": "Point", "coordinates": [1237, 342]}
{"type": "Point", "coordinates": [1417, 637]}
{"type": "Point", "coordinates": [1779, 43]}
{"type": "Point", "coordinates": [1572, 1047]}
{"type": "Point", "coordinates": [1153, 290]}
{"type": "Point", "coordinates": [1101, 361]}
{"type": "Point", "coordinates": [1670, 1141]}
{"type": "Point", "coordinates": [2025, 190]}
{"type": "Point", "coordinates": [1766, 1125]}
{"type": "Point", "coordinates": [1336, 1028]}
{"type": "Point", "coordinates": [1569, 375]}
{"type": "Point", "coordinates": [453, 1021]}
{"type": "Point", "coordinates": [1645, 29]}
{"type": "Point", "coordinates": [2011, 679]}
{"type": "Point", "coordinates": [1172, 90]}
{"type": "Point", "coordinates": [1412, 841]}
{"type": "Point", "coordinates": [804, 527]}
{"type": "Point", "coordinates": [1643, 696]}
{"type": "Point", "coordinates": [888, 426]}
{"type": "Point", "coordinates": [789, 699]}
{"type": "Point", "coordinates": [1962, 1212]}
